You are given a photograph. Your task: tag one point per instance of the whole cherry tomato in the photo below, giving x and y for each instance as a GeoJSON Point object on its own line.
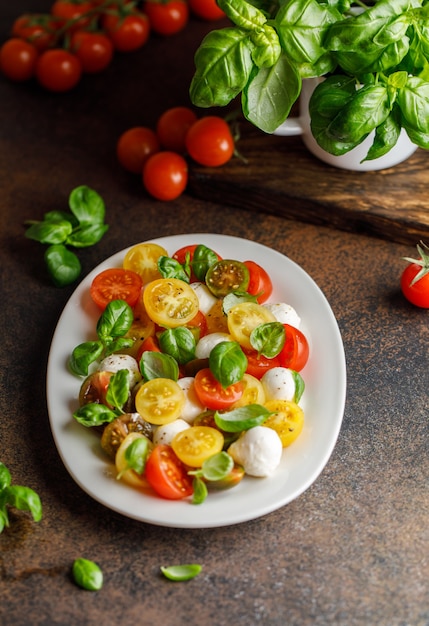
{"type": "Point", "coordinates": [172, 127]}
{"type": "Point", "coordinates": [209, 141]}
{"type": "Point", "coordinates": [36, 29]}
{"type": "Point", "coordinates": [72, 14]}
{"type": "Point", "coordinates": [18, 59]}
{"type": "Point", "coordinates": [58, 70]}
{"type": "Point", "coordinates": [128, 32]}
{"type": "Point", "coordinates": [167, 17]}
{"type": "Point", "coordinates": [94, 50]}
{"type": "Point", "coordinates": [415, 278]}
{"type": "Point", "coordinates": [135, 146]}
{"type": "Point", "coordinates": [165, 175]}
{"type": "Point", "coordinates": [206, 9]}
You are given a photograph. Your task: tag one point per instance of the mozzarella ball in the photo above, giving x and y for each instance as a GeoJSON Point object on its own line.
{"type": "Point", "coordinates": [284, 313]}
{"type": "Point", "coordinates": [193, 406]}
{"type": "Point", "coordinates": [208, 342]}
{"type": "Point", "coordinates": [206, 299]}
{"type": "Point", "coordinates": [258, 451]}
{"type": "Point", "coordinates": [116, 362]}
{"type": "Point", "coordinates": [167, 432]}
{"type": "Point", "coordinates": [279, 384]}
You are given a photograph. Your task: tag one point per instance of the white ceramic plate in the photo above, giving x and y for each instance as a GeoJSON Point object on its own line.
{"type": "Point", "coordinates": [323, 401]}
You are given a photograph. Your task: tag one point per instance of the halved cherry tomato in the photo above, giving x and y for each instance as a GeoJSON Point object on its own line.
{"type": "Point", "coordinates": [127, 474]}
{"type": "Point", "coordinates": [18, 59]}
{"type": "Point", "coordinates": [209, 141]}
{"type": "Point", "coordinates": [217, 321]}
{"type": "Point", "coordinates": [128, 32]}
{"type": "Point", "coordinates": [167, 475]}
{"type": "Point", "coordinates": [227, 276]}
{"type": "Point", "coordinates": [260, 284]}
{"type": "Point", "coordinates": [258, 364]}
{"type": "Point", "coordinates": [160, 401]}
{"type": "Point", "coordinates": [172, 127]}
{"type": "Point", "coordinates": [94, 50]}
{"type": "Point", "coordinates": [165, 175]}
{"type": "Point", "coordinates": [150, 344]}
{"type": "Point", "coordinates": [142, 329]}
{"type": "Point", "coordinates": [295, 352]}
{"type": "Point", "coordinates": [36, 29]}
{"type": "Point", "coordinates": [244, 318]}
{"type": "Point", "coordinates": [196, 444]}
{"type": "Point", "coordinates": [287, 420]}
{"type": "Point", "coordinates": [253, 392]}
{"type": "Point", "coordinates": [199, 324]}
{"type": "Point", "coordinates": [170, 302]}
{"type": "Point", "coordinates": [143, 259]}
{"type": "Point", "coordinates": [135, 146]}
{"type": "Point", "coordinates": [94, 388]}
{"type": "Point", "coordinates": [58, 70]}
{"type": "Point", "coordinates": [206, 9]}
{"type": "Point", "coordinates": [168, 17]}
{"type": "Point", "coordinates": [211, 393]}
{"type": "Point", "coordinates": [116, 284]}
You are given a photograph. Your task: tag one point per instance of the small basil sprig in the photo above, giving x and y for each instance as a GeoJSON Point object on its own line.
{"type": "Point", "coordinates": [268, 339]}
{"type": "Point", "coordinates": [179, 343]}
{"type": "Point", "coordinates": [243, 418]}
{"type": "Point", "coordinates": [18, 497]}
{"type": "Point", "coordinates": [96, 414]}
{"type": "Point", "coordinates": [216, 467]}
{"type": "Point", "coordinates": [227, 362]}
{"type": "Point", "coordinates": [113, 324]}
{"type": "Point", "coordinates": [84, 226]}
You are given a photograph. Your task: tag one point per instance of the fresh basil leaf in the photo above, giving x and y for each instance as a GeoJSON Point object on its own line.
{"type": "Point", "coordinates": [93, 414]}
{"type": "Point", "coordinates": [118, 345]}
{"type": "Point", "coordinates": [87, 236]}
{"type": "Point", "coordinates": [136, 454]}
{"type": "Point", "coordinates": [63, 265]}
{"type": "Point", "coordinates": [227, 362]}
{"type": "Point", "coordinates": [181, 572]}
{"type": "Point", "coordinates": [57, 216]}
{"type": "Point", "coordinates": [158, 365]}
{"type": "Point", "coordinates": [5, 477]}
{"type": "Point", "coordinates": [87, 574]}
{"type": "Point", "coordinates": [170, 268]}
{"type": "Point", "coordinates": [179, 343]}
{"type": "Point", "coordinates": [24, 499]}
{"type": "Point", "coordinates": [115, 321]}
{"type": "Point", "coordinates": [200, 491]}
{"type": "Point", "coordinates": [4, 517]}
{"type": "Point", "coordinates": [87, 206]}
{"type": "Point", "coordinates": [50, 232]}
{"type": "Point", "coordinates": [413, 100]}
{"type": "Point", "coordinates": [218, 466]}
{"type": "Point", "coordinates": [118, 390]}
{"type": "Point", "coordinates": [242, 418]}
{"type": "Point", "coordinates": [83, 355]}
{"type": "Point", "coordinates": [232, 299]}
{"type": "Point", "coordinates": [299, 386]}
{"type": "Point", "coordinates": [243, 13]}
{"type": "Point", "coordinates": [268, 48]}
{"type": "Point", "coordinates": [268, 339]}
{"type": "Point", "coordinates": [386, 136]}
{"type": "Point", "coordinates": [203, 258]}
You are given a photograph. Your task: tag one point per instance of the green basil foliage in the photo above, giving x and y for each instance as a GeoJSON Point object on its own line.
{"type": "Point", "coordinates": [118, 392]}
{"type": "Point", "coordinates": [227, 362]}
{"type": "Point", "coordinates": [83, 226]}
{"type": "Point", "coordinates": [375, 60]}
{"type": "Point", "coordinates": [18, 497]}
{"type": "Point", "coordinates": [112, 325]}
{"type": "Point", "coordinates": [216, 467]}
{"type": "Point", "coordinates": [87, 574]}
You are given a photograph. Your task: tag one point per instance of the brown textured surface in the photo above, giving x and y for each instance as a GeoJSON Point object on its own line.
{"type": "Point", "coordinates": [352, 550]}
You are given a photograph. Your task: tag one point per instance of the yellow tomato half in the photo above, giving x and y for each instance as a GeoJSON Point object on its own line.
{"type": "Point", "coordinates": [160, 401]}
{"type": "Point", "coordinates": [287, 420]}
{"type": "Point", "coordinates": [170, 302]}
{"type": "Point", "coordinates": [196, 444]}
{"type": "Point", "coordinates": [244, 318]}
{"type": "Point", "coordinates": [143, 259]}
{"type": "Point", "coordinates": [127, 474]}
{"type": "Point", "coordinates": [253, 392]}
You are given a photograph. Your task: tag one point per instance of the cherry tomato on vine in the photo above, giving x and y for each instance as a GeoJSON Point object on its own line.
{"type": "Point", "coordinates": [135, 146]}
{"type": "Point", "coordinates": [94, 50]}
{"type": "Point", "coordinates": [172, 127]}
{"type": "Point", "coordinates": [206, 9]}
{"type": "Point", "coordinates": [74, 12]}
{"type": "Point", "coordinates": [18, 59]}
{"type": "Point", "coordinates": [129, 32]}
{"type": "Point", "coordinates": [165, 175]}
{"type": "Point", "coordinates": [116, 284]}
{"type": "Point", "coordinates": [36, 29]}
{"type": "Point", "coordinates": [295, 352]}
{"type": "Point", "coordinates": [209, 141]}
{"type": "Point", "coordinates": [167, 17]}
{"type": "Point", "coordinates": [211, 393]}
{"type": "Point", "coordinates": [58, 70]}
{"type": "Point", "coordinates": [260, 284]}
{"type": "Point", "coordinates": [415, 278]}
{"type": "Point", "coordinates": [167, 475]}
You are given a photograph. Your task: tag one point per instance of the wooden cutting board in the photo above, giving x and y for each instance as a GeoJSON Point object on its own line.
{"type": "Point", "coordinates": [281, 177]}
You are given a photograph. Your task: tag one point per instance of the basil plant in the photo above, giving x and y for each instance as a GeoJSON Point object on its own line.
{"type": "Point", "coordinates": [374, 58]}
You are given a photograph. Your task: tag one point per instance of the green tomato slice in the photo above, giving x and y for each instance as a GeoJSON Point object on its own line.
{"type": "Point", "coordinates": [227, 276]}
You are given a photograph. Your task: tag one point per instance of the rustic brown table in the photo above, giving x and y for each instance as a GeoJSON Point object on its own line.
{"type": "Point", "coordinates": [353, 549]}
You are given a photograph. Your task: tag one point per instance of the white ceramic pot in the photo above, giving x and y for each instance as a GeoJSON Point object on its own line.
{"type": "Point", "coordinates": [403, 149]}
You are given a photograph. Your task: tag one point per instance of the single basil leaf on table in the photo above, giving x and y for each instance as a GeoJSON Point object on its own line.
{"type": "Point", "coordinates": [24, 499]}
{"type": "Point", "coordinates": [87, 206]}
{"type": "Point", "coordinates": [50, 232]}
{"type": "Point", "coordinates": [87, 574]}
{"type": "Point", "coordinates": [181, 572]}
{"type": "Point", "coordinates": [63, 265]}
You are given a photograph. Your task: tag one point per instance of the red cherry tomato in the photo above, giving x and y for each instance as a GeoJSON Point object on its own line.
{"type": "Point", "coordinates": [167, 17]}
{"type": "Point", "coordinates": [167, 475]}
{"type": "Point", "coordinates": [165, 175]}
{"type": "Point", "coordinates": [36, 29]}
{"type": "Point", "coordinates": [94, 50]}
{"type": "Point", "coordinates": [415, 278]}
{"type": "Point", "coordinates": [173, 126]}
{"type": "Point", "coordinates": [209, 141]}
{"type": "Point", "coordinates": [258, 364]}
{"type": "Point", "coordinates": [116, 284]}
{"type": "Point", "coordinates": [259, 282]}
{"type": "Point", "coordinates": [295, 352]}
{"type": "Point", "coordinates": [206, 9]}
{"type": "Point", "coordinates": [135, 146]}
{"type": "Point", "coordinates": [58, 70]}
{"type": "Point", "coordinates": [71, 13]}
{"type": "Point", "coordinates": [198, 322]}
{"type": "Point", "coordinates": [150, 344]}
{"type": "Point", "coordinates": [18, 59]}
{"type": "Point", "coordinates": [211, 394]}
{"type": "Point", "coordinates": [127, 33]}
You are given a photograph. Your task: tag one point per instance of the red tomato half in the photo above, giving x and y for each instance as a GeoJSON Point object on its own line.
{"type": "Point", "coordinates": [258, 364]}
{"type": "Point", "coordinates": [94, 50]}
{"type": "Point", "coordinates": [168, 17]}
{"type": "Point", "coordinates": [58, 70]}
{"type": "Point", "coordinates": [295, 352]}
{"type": "Point", "coordinates": [18, 59]}
{"type": "Point", "coordinates": [116, 284]}
{"type": "Point", "coordinates": [167, 475]}
{"type": "Point", "coordinates": [212, 395]}
{"type": "Point", "coordinates": [259, 282]}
